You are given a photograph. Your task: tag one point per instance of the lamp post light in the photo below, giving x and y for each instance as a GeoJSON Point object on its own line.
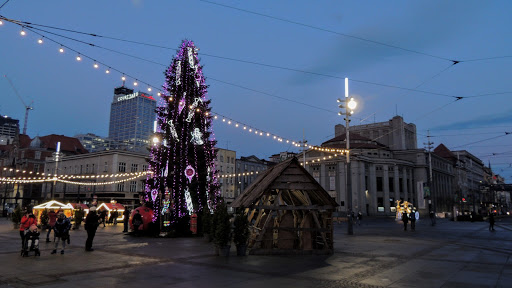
{"type": "Point", "coordinates": [349, 105]}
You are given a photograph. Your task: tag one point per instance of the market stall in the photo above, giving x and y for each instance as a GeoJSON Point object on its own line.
{"type": "Point", "coordinates": [52, 205]}
{"type": "Point", "coordinates": [111, 207]}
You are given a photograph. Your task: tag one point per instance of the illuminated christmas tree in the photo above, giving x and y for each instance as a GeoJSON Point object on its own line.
{"type": "Point", "coordinates": [182, 160]}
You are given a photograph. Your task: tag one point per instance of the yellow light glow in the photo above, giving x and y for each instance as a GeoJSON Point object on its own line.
{"type": "Point", "coordinates": [123, 78]}
{"type": "Point", "coordinates": [149, 89]}
{"type": "Point", "coordinates": [61, 50]}
{"type": "Point", "coordinates": [135, 83]}
{"type": "Point", "coordinates": [40, 41]}
{"type": "Point", "coordinates": [78, 58]}
{"type": "Point", "coordinates": [96, 65]}
{"type": "Point", "coordinates": [107, 71]}
{"type": "Point", "coordinates": [23, 33]}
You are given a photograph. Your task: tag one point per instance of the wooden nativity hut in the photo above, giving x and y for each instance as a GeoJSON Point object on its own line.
{"type": "Point", "coordinates": [289, 212]}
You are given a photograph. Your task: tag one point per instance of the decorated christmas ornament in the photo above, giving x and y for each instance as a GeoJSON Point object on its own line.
{"type": "Point", "coordinates": [196, 137]}
{"type": "Point", "coordinates": [154, 194]}
{"type": "Point", "coordinates": [173, 131]}
{"type": "Point", "coordinates": [189, 173]}
{"type": "Point", "coordinates": [178, 73]}
{"type": "Point", "coordinates": [188, 200]}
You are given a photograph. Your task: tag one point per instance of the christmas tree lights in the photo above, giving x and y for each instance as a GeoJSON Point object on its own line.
{"type": "Point", "coordinates": [183, 162]}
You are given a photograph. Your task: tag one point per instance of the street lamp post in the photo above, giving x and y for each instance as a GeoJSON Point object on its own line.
{"type": "Point", "coordinates": [56, 157]}
{"type": "Point", "coordinates": [349, 106]}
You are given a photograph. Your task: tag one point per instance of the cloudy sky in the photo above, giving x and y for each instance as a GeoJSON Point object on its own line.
{"type": "Point", "coordinates": [277, 66]}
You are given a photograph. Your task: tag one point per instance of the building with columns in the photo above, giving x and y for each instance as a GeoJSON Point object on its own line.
{"type": "Point", "coordinates": [386, 166]}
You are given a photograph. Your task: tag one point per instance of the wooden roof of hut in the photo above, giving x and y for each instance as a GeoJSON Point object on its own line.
{"type": "Point", "coordinates": [289, 212]}
{"type": "Point", "coordinates": [287, 175]}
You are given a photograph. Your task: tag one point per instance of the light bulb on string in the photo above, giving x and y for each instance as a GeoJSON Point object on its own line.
{"type": "Point", "coordinates": [78, 58]}
{"type": "Point", "coordinates": [149, 89]}
{"type": "Point", "coordinates": [40, 41]}
{"type": "Point", "coordinates": [107, 71]}
{"type": "Point", "coordinates": [135, 83]}
{"type": "Point", "coordinates": [123, 78]}
{"type": "Point", "coordinates": [1, 22]}
{"type": "Point", "coordinates": [22, 32]}
{"type": "Point", "coordinates": [96, 65]}
{"type": "Point", "coordinates": [61, 50]}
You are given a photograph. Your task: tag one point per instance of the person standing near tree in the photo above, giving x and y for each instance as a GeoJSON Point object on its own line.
{"type": "Point", "coordinates": [52, 218]}
{"type": "Point", "coordinates": [126, 218]}
{"type": "Point", "coordinates": [92, 221]}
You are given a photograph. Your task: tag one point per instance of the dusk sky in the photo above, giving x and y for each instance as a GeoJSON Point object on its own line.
{"type": "Point", "coordinates": [277, 66]}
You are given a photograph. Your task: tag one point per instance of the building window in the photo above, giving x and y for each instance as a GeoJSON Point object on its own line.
{"type": "Point", "coordinates": [122, 167]}
{"type": "Point", "coordinates": [379, 183]}
{"type": "Point", "coordinates": [228, 159]}
{"type": "Point", "coordinates": [37, 155]}
{"type": "Point", "coordinates": [133, 186]}
{"type": "Point", "coordinates": [120, 187]}
{"type": "Point", "coordinates": [135, 167]}
{"type": "Point", "coordinates": [105, 168]}
{"type": "Point", "coordinates": [86, 168]}
{"type": "Point", "coordinates": [391, 184]}
{"type": "Point", "coordinates": [36, 168]}
{"type": "Point", "coordinates": [144, 167]}
{"type": "Point", "coordinates": [221, 158]}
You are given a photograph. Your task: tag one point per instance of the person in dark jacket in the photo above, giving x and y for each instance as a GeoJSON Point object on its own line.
{"type": "Point", "coordinates": [491, 222]}
{"type": "Point", "coordinates": [92, 221]}
{"type": "Point", "coordinates": [405, 219]}
{"type": "Point", "coordinates": [61, 229]}
{"type": "Point", "coordinates": [412, 217]}
{"type": "Point", "coordinates": [137, 222]}
{"type": "Point", "coordinates": [126, 218]}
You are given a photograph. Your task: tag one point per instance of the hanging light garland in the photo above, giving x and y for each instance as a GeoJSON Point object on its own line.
{"type": "Point", "coordinates": [217, 116]}
{"type": "Point", "coordinates": [50, 178]}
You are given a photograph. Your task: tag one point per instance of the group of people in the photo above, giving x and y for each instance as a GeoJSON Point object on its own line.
{"type": "Point", "coordinates": [61, 225]}
{"type": "Point", "coordinates": [412, 217]}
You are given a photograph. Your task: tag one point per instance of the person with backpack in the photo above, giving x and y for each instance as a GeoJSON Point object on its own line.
{"type": "Point", "coordinates": [61, 228]}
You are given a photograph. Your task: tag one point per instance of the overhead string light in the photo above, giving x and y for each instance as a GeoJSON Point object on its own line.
{"type": "Point", "coordinates": [61, 178]}
{"type": "Point", "coordinates": [81, 56]}
{"type": "Point", "coordinates": [238, 124]}
{"type": "Point", "coordinates": [258, 132]}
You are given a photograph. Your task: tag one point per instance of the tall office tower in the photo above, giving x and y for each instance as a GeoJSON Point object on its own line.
{"type": "Point", "coordinates": [131, 118]}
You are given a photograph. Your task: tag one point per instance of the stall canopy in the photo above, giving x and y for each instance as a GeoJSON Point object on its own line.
{"type": "Point", "coordinates": [111, 207]}
{"type": "Point", "coordinates": [53, 205]}
{"type": "Point", "coordinates": [80, 205]}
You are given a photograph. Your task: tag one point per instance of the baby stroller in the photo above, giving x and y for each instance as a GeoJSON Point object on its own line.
{"type": "Point", "coordinates": [31, 242]}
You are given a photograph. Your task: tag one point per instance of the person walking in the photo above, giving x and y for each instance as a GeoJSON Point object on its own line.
{"type": "Point", "coordinates": [432, 217]}
{"type": "Point", "coordinates": [412, 216]}
{"type": "Point", "coordinates": [52, 218]}
{"type": "Point", "coordinates": [26, 221]}
{"type": "Point", "coordinates": [126, 218]}
{"type": "Point", "coordinates": [115, 214]}
{"type": "Point", "coordinates": [61, 228]}
{"type": "Point", "coordinates": [491, 222]}
{"type": "Point", "coordinates": [103, 216]}
{"type": "Point", "coordinates": [359, 217]}
{"type": "Point", "coordinates": [405, 219]}
{"type": "Point", "coordinates": [92, 221]}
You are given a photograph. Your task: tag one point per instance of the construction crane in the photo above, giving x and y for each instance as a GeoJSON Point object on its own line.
{"type": "Point", "coordinates": [27, 107]}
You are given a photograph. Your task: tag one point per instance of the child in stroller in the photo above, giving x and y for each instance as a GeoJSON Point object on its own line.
{"type": "Point", "coordinates": [32, 241]}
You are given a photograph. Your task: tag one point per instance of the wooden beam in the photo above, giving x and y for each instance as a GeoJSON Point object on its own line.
{"type": "Point", "coordinates": [294, 186]}
{"type": "Point", "coordinates": [320, 226]}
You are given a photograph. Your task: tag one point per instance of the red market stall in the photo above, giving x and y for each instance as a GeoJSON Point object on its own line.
{"type": "Point", "coordinates": [147, 217]}
{"type": "Point", "coordinates": [82, 206]}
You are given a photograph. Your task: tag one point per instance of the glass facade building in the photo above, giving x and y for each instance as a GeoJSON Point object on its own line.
{"type": "Point", "coordinates": [131, 118]}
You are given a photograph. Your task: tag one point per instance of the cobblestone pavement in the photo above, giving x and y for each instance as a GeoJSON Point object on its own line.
{"type": "Point", "coordinates": [379, 254]}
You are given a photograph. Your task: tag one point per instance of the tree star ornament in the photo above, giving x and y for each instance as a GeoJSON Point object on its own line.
{"type": "Point", "coordinates": [197, 137]}
{"type": "Point", "coordinates": [189, 173]}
